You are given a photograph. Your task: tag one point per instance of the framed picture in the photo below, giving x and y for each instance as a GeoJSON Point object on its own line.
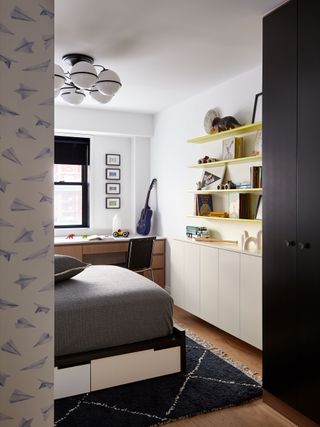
{"type": "Point", "coordinates": [113, 159]}
{"type": "Point", "coordinates": [113, 202]}
{"type": "Point", "coordinates": [210, 181]}
{"type": "Point", "coordinates": [112, 188]}
{"type": "Point", "coordinates": [231, 148]}
{"type": "Point", "coordinates": [259, 208]}
{"type": "Point", "coordinates": [258, 144]}
{"type": "Point", "coordinates": [257, 108]}
{"type": "Point", "coordinates": [113, 173]}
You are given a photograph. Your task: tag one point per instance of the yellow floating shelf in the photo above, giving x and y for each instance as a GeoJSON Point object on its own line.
{"type": "Point", "coordinates": [226, 162]}
{"type": "Point", "coordinates": [236, 190]}
{"type": "Point", "coordinates": [258, 221]}
{"type": "Point", "coordinates": [232, 132]}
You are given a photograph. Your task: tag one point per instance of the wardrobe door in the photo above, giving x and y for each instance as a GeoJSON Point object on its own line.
{"type": "Point", "coordinates": [309, 209]}
{"type": "Point", "coordinates": [279, 201]}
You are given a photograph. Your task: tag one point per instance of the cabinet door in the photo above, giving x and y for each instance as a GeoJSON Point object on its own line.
{"type": "Point", "coordinates": [177, 282]}
{"type": "Point", "coordinates": [229, 272]}
{"type": "Point", "coordinates": [251, 300]}
{"type": "Point", "coordinates": [209, 284]}
{"type": "Point", "coordinates": [308, 298]}
{"type": "Point", "coordinates": [70, 250]}
{"type": "Point", "coordinates": [192, 275]}
{"type": "Point", "coordinates": [279, 201]}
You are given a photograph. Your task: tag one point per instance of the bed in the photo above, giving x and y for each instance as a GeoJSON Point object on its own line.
{"type": "Point", "coordinates": [113, 326]}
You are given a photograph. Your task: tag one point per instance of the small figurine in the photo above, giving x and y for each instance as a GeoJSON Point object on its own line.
{"type": "Point", "coordinates": [120, 233]}
{"type": "Point", "coordinates": [84, 236]}
{"type": "Point", "coordinates": [225, 123]}
{"type": "Point", "coordinates": [207, 159]}
{"type": "Point", "coordinates": [246, 240]}
{"type": "Point", "coordinates": [70, 236]}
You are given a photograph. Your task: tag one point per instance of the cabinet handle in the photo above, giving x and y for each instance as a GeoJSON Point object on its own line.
{"type": "Point", "coordinates": [303, 245]}
{"type": "Point", "coordinates": [289, 243]}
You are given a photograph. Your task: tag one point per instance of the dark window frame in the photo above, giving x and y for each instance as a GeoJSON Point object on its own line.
{"type": "Point", "coordinates": [83, 183]}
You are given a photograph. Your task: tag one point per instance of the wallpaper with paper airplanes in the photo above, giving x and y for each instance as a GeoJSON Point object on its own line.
{"type": "Point", "coordinates": [26, 213]}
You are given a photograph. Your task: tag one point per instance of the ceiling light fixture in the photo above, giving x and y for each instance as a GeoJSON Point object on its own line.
{"type": "Point", "coordinates": [83, 77]}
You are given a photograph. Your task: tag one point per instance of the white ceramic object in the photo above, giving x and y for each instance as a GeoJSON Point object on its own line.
{"type": "Point", "coordinates": [83, 75]}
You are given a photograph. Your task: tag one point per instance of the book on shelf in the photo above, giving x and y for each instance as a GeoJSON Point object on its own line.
{"type": "Point", "coordinates": [256, 176]}
{"type": "Point", "coordinates": [231, 148]}
{"type": "Point", "coordinates": [240, 205]}
{"type": "Point", "coordinates": [204, 204]}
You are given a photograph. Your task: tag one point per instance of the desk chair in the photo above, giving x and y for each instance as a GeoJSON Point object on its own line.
{"type": "Point", "coordinates": [140, 255]}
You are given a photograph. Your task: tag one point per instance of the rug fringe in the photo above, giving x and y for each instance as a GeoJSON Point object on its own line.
{"type": "Point", "coordinates": [222, 354]}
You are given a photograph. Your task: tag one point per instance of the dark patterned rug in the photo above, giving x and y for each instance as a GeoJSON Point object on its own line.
{"type": "Point", "coordinates": [212, 382]}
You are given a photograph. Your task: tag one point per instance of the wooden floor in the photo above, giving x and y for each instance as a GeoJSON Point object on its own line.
{"type": "Point", "coordinates": [255, 414]}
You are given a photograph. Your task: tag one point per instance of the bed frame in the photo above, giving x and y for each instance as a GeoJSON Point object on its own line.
{"type": "Point", "coordinates": [99, 369]}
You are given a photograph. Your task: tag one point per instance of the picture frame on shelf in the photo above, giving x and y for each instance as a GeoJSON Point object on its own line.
{"type": "Point", "coordinates": [211, 180]}
{"type": "Point", "coordinates": [257, 151]}
{"type": "Point", "coordinates": [113, 174]}
{"type": "Point", "coordinates": [113, 159]}
{"type": "Point", "coordinates": [113, 203]}
{"type": "Point", "coordinates": [259, 208]}
{"type": "Point", "coordinates": [113, 188]}
{"type": "Point", "coordinates": [257, 108]}
{"type": "Point", "coordinates": [231, 148]}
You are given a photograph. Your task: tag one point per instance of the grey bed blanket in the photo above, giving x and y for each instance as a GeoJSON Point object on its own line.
{"type": "Point", "coordinates": [106, 306]}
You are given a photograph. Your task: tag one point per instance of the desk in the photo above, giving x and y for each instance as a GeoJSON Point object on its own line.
{"type": "Point", "coordinates": [112, 252]}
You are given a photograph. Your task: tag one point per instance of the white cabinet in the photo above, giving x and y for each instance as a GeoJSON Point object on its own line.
{"type": "Point", "coordinates": [221, 286]}
{"type": "Point", "coordinates": [177, 273]}
{"type": "Point", "coordinates": [209, 280]}
{"type": "Point", "coordinates": [251, 300]}
{"type": "Point", "coordinates": [191, 278]}
{"type": "Point", "coordinates": [229, 265]}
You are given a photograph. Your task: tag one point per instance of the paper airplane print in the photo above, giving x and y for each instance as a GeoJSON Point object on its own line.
{"type": "Point", "coordinates": [10, 347]}
{"type": "Point", "coordinates": [24, 133]}
{"type": "Point", "coordinates": [11, 155]}
{"type": "Point", "coordinates": [19, 396]}
{"type": "Point", "coordinates": [25, 91]}
{"type": "Point", "coordinates": [25, 423]}
{"type": "Point", "coordinates": [42, 67]}
{"type": "Point", "coordinates": [35, 365]}
{"type": "Point", "coordinates": [41, 122]}
{"type": "Point", "coordinates": [23, 323]}
{"type": "Point", "coordinates": [7, 61]}
{"type": "Point", "coordinates": [47, 40]}
{"type": "Point", "coordinates": [5, 30]}
{"type": "Point", "coordinates": [5, 111]}
{"type": "Point", "coordinates": [4, 304]}
{"type": "Point", "coordinates": [46, 12]}
{"type": "Point", "coordinates": [20, 15]}
{"type": "Point", "coordinates": [25, 236]}
{"type": "Point", "coordinates": [24, 46]}
{"type": "Point", "coordinates": [20, 205]}
{"type": "Point", "coordinates": [25, 280]}
{"type": "Point", "coordinates": [26, 155]}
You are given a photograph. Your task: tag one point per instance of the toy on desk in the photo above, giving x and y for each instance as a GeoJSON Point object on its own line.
{"type": "Point", "coordinates": [84, 236]}
{"type": "Point", "coordinates": [70, 236]}
{"type": "Point", "coordinates": [121, 233]}
{"type": "Point", "coordinates": [229, 185]}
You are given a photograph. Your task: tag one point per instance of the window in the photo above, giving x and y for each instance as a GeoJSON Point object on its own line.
{"type": "Point", "coordinates": [71, 192]}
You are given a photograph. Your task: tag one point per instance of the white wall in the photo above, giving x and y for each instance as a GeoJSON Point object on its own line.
{"type": "Point", "coordinates": [170, 154]}
{"type": "Point", "coordinates": [112, 132]}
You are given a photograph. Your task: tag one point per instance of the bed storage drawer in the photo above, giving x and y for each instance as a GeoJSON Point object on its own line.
{"type": "Point", "coordinates": [71, 381]}
{"type": "Point", "coordinates": [131, 367]}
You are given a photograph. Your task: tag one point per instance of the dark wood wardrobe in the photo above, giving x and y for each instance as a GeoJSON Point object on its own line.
{"type": "Point", "coordinates": [291, 203]}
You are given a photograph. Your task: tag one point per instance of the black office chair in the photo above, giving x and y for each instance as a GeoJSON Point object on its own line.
{"type": "Point", "coordinates": [140, 255]}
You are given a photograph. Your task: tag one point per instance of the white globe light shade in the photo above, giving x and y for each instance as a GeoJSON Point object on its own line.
{"type": "Point", "coordinates": [73, 95]}
{"type": "Point", "coordinates": [83, 75]}
{"type": "Point", "coordinates": [59, 77]}
{"type": "Point", "coordinates": [108, 82]}
{"type": "Point", "coordinates": [98, 96]}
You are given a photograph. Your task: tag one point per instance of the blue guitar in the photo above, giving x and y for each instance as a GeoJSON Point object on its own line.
{"type": "Point", "coordinates": [144, 223]}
